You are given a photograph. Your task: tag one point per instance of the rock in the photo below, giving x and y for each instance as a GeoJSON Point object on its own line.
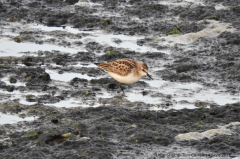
{"type": "Point", "coordinates": [28, 61]}
{"type": "Point", "coordinates": [6, 142]}
{"type": "Point", "coordinates": [10, 88]}
{"type": "Point", "coordinates": [13, 80]}
{"type": "Point", "coordinates": [84, 139]}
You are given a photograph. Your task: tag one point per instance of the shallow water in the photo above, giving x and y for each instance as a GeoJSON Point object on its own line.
{"type": "Point", "coordinates": [11, 48]}
{"type": "Point", "coordinates": [9, 119]}
{"type": "Point", "coordinates": [184, 3]}
{"type": "Point", "coordinates": [67, 103]}
{"type": "Point", "coordinates": [76, 65]}
{"type": "Point", "coordinates": [128, 42]}
{"type": "Point", "coordinates": [137, 96]}
{"type": "Point", "coordinates": [18, 95]}
{"type": "Point", "coordinates": [190, 92]}
{"type": "Point", "coordinates": [177, 106]}
{"type": "Point", "coordinates": [66, 28]}
{"type": "Point", "coordinates": [6, 80]}
{"type": "Point", "coordinates": [66, 77]}
{"type": "Point", "coordinates": [10, 33]}
{"type": "Point", "coordinates": [73, 103]}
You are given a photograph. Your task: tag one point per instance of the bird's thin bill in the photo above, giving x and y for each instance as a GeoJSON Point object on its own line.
{"type": "Point", "coordinates": [149, 76]}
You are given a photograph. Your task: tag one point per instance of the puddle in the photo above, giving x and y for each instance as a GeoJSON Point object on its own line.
{"type": "Point", "coordinates": [137, 96]}
{"type": "Point", "coordinates": [210, 96]}
{"type": "Point", "coordinates": [66, 77]}
{"type": "Point", "coordinates": [73, 103]}
{"type": "Point", "coordinates": [173, 88]}
{"type": "Point", "coordinates": [10, 33]}
{"type": "Point", "coordinates": [11, 48]}
{"type": "Point", "coordinates": [10, 119]}
{"type": "Point", "coordinates": [128, 42]}
{"type": "Point", "coordinates": [6, 80]}
{"type": "Point", "coordinates": [67, 29]}
{"type": "Point", "coordinates": [156, 83]}
{"type": "Point", "coordinates": [177, 106]}
{"type": "Point", "coordinates": [182, 3]}
{"type": "Point", "coordinates": [190, 92]}
{"type": "Point", "coordinates": [87, 3]}
{"type": "Point", "coordinates": [167, 87]}
{"type": "Point", "coordinates": [75, 65]}
{"type": "Point", "coordinates": [63, 103]}
{"type": "Point", "coordinates": [66, 103]}
{"type": "Point", "coordinates": [85, 65]}
{"type": "Point", "coordinates": [21, 96]}
{"type": "Point", "coordinates": [24, 102]}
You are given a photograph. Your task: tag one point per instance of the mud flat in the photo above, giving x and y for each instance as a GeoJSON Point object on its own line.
{"type": "Point", "coordinates": [55, 103]}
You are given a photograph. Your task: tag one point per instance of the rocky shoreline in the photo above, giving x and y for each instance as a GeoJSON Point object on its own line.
{"type": "Point", "coordinates": [183, 42]}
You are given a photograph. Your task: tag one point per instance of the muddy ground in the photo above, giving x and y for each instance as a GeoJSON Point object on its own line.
{"type": "Point", "coordinates": [190, 41]}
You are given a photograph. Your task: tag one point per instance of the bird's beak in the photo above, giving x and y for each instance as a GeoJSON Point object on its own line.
{"type": "Point", "coordinates": [149, 76]}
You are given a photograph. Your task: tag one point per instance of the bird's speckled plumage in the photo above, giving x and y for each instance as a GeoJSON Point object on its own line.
{"type": "Point", "coordinates": [125, 70]}
{"type": "Point", "coordinates": [120, 67]}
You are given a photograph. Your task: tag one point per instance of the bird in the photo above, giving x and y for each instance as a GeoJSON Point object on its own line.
{"type": "Point", "coordinates": [126, 71]}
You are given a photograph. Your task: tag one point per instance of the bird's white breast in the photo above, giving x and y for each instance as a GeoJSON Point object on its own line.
{"type": "Point", "coordinates": [128, 79]}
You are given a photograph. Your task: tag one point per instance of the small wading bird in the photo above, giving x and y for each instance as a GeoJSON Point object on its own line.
{"type": "Point", "coordinates": [125, 71]}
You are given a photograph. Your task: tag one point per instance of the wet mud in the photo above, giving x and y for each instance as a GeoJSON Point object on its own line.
{"type": "Point", "coordinates": [72, 109]}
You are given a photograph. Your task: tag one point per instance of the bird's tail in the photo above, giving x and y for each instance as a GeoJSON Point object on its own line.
{"type": "Point", "coordinates": [104, 66]}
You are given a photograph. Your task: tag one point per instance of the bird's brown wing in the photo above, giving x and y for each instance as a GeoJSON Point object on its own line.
{"type": "Point", "coordinates": [121, 67]}
{"type": "Point", "coordinates": [105, 66]}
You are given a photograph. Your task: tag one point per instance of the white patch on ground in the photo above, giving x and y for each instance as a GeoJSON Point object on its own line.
{"type": "Point", "coordinates": [11, 48]}
{"type": "Point", "coordinates": [221, 7]}
{"type": "Point", "coordinates": [128, 42]}
{"type": "Point", "coordinates": [209, 133]}
{"type": "Point", "coordinates": [190, 92]}
{"type": "Point", "coordinates": [85, 65]}
{"type": "Point", "coordinates": [184, 3]}
{"type": "Point", "coordinates": [10, 33]}
{"type": "Point", "coordinates": [6, 80]}
{"type": "Point", "coordinates": [73, 103]}
{"type": "Point", "coordinates": [213, 29]}
{"type": "Point", "coordinates": [9, 119]}
{"type": "Point", "coordinates": [177, 106]}
{"type": "Point", "coordinates": [86, 3]}
{"type": "Point", "coordinates": [20, 95]}
{"type": "Point", "coordinates": [7, 28]}
{"type": "Point", "coordinates": [137, 96]}
{"type": "Point", "coordinates": [88, 65]}
{"type": "Point", "coordinates": [66, 77]}
{"type": "Point", "coordinates": [48, 29]}
{"type": "Point", "coordinates": [67, 103]}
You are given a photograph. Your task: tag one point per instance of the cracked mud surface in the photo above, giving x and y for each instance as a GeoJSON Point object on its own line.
{"type": "Point", "coordinates": [47, 51]}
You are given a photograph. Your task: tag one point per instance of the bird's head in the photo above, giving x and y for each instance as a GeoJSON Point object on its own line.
{"type": "Point", "coordinates": [144, 70]}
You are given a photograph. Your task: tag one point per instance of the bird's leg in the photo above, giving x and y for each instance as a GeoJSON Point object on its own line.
{"type": "Point", "coordinates": [120, 87]}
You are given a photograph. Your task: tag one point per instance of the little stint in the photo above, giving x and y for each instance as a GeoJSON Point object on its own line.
{"type": "Point", "coordinates": [125, 71]}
